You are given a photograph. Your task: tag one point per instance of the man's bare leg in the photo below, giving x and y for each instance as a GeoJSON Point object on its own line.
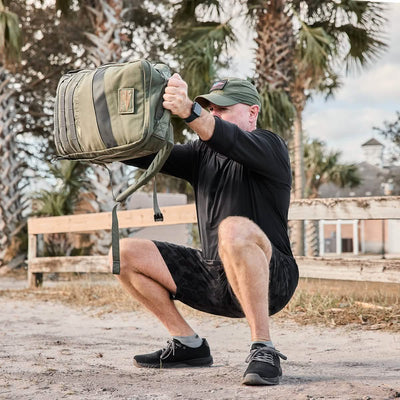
{"type": "Point", "coordinates": [146, 277]}
{"type": "Point", "coordinates": [246, 252]}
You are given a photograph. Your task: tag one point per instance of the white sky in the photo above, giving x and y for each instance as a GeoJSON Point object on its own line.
{"type": "Point", "coordinates": [366, 99]}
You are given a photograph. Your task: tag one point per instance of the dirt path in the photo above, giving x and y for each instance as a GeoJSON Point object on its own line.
{"type": "Point", "coordinates": [50, 351]}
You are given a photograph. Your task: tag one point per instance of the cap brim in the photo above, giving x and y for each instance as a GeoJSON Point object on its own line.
{"type": "Point", "coordinates": [215, 98]}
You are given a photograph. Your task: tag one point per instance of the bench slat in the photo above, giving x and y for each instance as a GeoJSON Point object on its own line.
{"type": "Point", "coordinates": [305, 209]}
{"type": "Point", "coordinates": [353, 269]}
{"type": "Point", "coordinates": [350, 269]}
{"type": "Point", "coordinates": [97, 221]}
{"type": "Point", "coordinates": [95, 264]}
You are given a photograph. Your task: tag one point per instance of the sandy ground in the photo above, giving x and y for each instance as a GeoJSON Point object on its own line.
{"type": "Point", "coordinates": [50, 351]}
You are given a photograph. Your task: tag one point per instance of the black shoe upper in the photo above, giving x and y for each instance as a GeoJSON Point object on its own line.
{"type": "Point", "coordinates": [264, 362]}
{"type": "Point", "coordinates": [176, 353]}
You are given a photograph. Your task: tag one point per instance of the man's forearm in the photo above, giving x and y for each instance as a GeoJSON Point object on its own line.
{"type": "Point", "coordinates": [204, 125]}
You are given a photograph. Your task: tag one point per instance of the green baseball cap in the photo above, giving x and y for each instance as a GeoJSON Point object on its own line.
{"type": "Point", "coordinates": [229, 91]}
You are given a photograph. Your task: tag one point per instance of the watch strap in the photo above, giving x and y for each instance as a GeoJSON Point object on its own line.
{"type": "Point", "coordinates": [196, 112]}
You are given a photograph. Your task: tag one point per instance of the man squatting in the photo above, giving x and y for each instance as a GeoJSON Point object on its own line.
{"type": "Point", "coordinates": [242, 180]}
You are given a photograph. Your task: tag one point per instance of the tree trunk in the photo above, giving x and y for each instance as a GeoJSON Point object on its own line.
{"type": "Point", "coordinates": [298, 149]}
{"type": "Point", "coordinates": [11, 203]}
{"type": "Point", "coordinates": [312, 238]}
{"type": "Point", "coordinates": [275, 65]}
{"type": "Point", "coordinates": [275, 47]}
{"type": "Point", "coordinates": [298, 156]}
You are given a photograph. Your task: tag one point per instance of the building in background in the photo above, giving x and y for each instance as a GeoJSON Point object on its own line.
{"type": "Point", "coordinates": [364, 236]}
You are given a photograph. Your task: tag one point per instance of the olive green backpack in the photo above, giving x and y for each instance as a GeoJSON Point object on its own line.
{"type": "Point", "coordinates": [115, 113]}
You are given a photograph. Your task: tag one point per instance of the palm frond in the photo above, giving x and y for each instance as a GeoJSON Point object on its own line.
{"type": "Point", "coordinates": [71, 178]}
{"type": "Point", "coordinates": [198, 62]}
{"type": "Point", "coordinates": [345, 175]}
{"type": "Point", "coordinates": [221, 35]}
{"type": "Point", "coordinates": [391, 130]}
{"type": "Point", "coordinates": [277, 112]}
{"type": "Point", "coordinates": [368, 14]}
{"type": "Point", "coordinates": [314, 50]}
{"type": "Point", "coordinates": [64, 6]}
{"type": "Point", "coordinates": [10, 35]}
{"type": "Point", "coordinates": [253, 7]}
{"type": "Point", "coordinates": [356, 27]}
{"type": "Point", "coordinates": [50, 203]}
{"type": "Point", "coordinates": [323, 166]}
{"type": "Point", "coordinates": [186, 10]}
{"type": "Point", "coordinates": [200, 51]}
{"type": "Point", "coordinates": [364, 45]}
{"type": "Point", "coordinates": [329, 84]}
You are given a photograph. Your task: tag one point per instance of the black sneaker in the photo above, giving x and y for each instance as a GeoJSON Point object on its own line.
{"type": "Point", "coordinates": [176, 355]}
{"type": "Point", "coordinates": [264, 366]}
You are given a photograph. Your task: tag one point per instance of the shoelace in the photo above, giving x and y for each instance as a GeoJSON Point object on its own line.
{"type": "Point", "coordinates": [171, 346]}
{"type": "Point", "coordinates": [265, 354]}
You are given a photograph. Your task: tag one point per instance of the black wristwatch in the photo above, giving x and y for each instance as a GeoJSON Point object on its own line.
{"type": "Point", "coordinates": [196, 112]}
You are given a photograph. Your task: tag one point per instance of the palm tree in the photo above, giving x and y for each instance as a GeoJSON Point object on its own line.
{"type": "Point", "coordinates": [71, 180]}
{"type": "Point", "coordinates": [11, 204]}
{"type": "Point", "coordinates": [330, 33]}
{"type": "Point", "coordinates": [314, 37]}
{"type": "Point", "coordinates": [323, 167]}
{"type": "Point", "coordinates": [201, 47]}
{"type": "Point", "coordinates": [275, 51]}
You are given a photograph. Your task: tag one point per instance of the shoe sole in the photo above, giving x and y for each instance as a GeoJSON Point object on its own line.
{"type": "Point", "coordinates": [257, 380]}
{"type": "Point", "coordinates": [197, 362]}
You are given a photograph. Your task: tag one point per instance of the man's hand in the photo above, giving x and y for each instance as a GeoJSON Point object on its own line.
{"type": "Point", "coordinates": [176, 97]}
{"type": "Point", "coordinates": [176, 100]}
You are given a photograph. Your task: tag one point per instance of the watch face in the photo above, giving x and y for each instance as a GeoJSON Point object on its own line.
{"type": "Point", "coordinates": [196, 112]}
{"type": "Point", "coordinates": [197, 109]}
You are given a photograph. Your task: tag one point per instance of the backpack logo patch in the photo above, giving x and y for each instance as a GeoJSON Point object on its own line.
{"type": "Point", "coordinates": [126, 104]}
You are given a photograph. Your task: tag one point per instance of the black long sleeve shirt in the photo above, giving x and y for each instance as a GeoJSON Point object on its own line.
{"type": "Point", "coordinates": [235, 173]}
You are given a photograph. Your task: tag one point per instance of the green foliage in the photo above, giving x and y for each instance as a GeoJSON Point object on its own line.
{"type": "Point", "coordinates": [71, 178]}
{"type": "Point", "coordinates": [64, 6]}
{"type": "Point", "coordinates": [322, 166]}
{"type": "Point", "coordinates": [277, 112]}
{"type": "Point", "coordinates": [10, 36]}
{"type": "Point", "coordinates": [199, 46]}
{"type": "Point", "coordinates": [335, 32]}
{"type": "Point", "coordinates": [313, 53]}
{"type": "Point", "coordinates": [391, 130]}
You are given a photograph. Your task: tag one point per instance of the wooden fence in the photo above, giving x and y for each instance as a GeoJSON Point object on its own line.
{"type": "Point", "coordinates": [360, 268]}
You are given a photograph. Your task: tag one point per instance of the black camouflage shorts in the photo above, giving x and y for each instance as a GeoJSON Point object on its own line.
{"type": "Point", "coordinates": [202, 284]}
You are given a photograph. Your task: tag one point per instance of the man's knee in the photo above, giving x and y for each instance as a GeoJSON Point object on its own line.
{"type": "Point", "coordinates": [237, 233]}
{"type": "Point", "coordinates": [132, 253]}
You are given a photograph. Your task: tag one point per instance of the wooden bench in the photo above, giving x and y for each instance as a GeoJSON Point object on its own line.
{"type": "Point", "coordinates": [354, 268]}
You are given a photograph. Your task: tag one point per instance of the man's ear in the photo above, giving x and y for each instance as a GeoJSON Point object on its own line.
{"type": "Point", "coordinates": [254, 110]}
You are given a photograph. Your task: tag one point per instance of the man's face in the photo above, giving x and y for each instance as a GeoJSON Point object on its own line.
{"type": "Point", "coordinates": [242, 115]}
